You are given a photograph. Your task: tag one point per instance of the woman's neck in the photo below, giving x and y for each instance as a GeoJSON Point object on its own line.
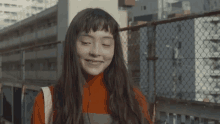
{"type": "Point", "coordinates": [89, 77]}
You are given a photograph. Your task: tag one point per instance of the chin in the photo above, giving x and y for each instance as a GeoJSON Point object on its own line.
{"type": "Point", "coordinates": [94, 73]}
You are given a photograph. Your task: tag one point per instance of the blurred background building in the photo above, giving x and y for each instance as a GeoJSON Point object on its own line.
{"type": "Point", "coordinates": [12, 11]}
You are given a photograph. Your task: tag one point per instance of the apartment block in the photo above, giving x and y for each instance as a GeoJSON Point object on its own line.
{"type": "Point", "coordinates": [12, 11]}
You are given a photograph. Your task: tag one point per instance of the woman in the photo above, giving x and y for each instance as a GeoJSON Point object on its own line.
{"type": "Point", "coordinates": [95, 86]}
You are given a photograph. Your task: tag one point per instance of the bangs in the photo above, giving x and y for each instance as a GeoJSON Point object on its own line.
{"type": "Point", "coordinates": [97, 20]}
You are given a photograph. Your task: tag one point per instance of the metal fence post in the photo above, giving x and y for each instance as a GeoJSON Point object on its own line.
{"type": "Point", "coordinates": [152, 63]}
{"type": "Point", "coordinates": [0, 66]}
{"type": "Point", "coordinates": [59, 58]}
{"type": "Point", "coordinates": [12, 104]}
{"type": "Point", "coordinates": [23, 86]}
{"type": "Point", "coordinates": [22, 104]}
{"type": "Point", "coordinates": [23, 65]}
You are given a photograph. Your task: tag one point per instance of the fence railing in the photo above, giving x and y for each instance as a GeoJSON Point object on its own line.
{"type": "Point", "coordinates": [173, 62]}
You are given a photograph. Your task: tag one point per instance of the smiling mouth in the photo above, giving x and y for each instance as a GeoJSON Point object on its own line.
{"type": "Point", "coordinates": [94, 62]}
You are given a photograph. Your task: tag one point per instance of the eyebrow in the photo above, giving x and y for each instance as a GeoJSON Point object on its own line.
{"type": "Point", "coordinates": [85, 34]}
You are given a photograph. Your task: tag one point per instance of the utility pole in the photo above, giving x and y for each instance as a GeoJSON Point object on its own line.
{"type": "Point", "coordinates": [159, 9]}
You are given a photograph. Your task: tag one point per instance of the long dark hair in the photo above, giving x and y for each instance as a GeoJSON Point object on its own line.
{"type": "Point", "coordinates": [69, 89]}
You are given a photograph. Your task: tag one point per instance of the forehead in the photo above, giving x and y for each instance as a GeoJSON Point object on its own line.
{"type": "Point", "coordinates": [98, 33]}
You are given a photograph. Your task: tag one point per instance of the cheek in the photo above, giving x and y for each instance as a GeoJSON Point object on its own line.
{"type": "Point", "coordinates": [82, 51]}
{"type": "Point", "coordinates": [109, 54]}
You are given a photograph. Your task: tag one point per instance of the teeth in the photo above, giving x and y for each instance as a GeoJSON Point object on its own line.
{"type": "Point", "coordinates": [92, 61]}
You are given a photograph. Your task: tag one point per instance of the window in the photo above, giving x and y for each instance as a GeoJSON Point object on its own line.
{"type": "Point", "coordinates": [41, 66]}
{"type": "Point", "coordinates": [215, 47]}
{"type": "Point", "coordinates": [13, 5]}
{"type": "Point", "coordinates": [31, 66]}
{"type": "Point", "coordinates": [40, 8]}
{"type": "Point", "coordinates": [19, 6]}
{"type": "Point", "coordinates": [52, 66]}
{"type": "Point", "coordinates": [13, 67]}
{"type": "Point", "coordinates": [40, 1]}
{"type": "Point", "coordinates": [13, 20]}
{"type": "Point", "coordinates": [6, 20]}
{"type": "Point", "coordinates": [4, 68]}
{"type": "Point", "coordinates": [216, 65]}
{"type": "Point", "coordinates": [7, 5]}
{"type": "Point", "coordinates": [14, 13]}
{"type": "Point", "coordinates": [144, 7]}
{"type": "Point", "coordinates": [0, 4]}
{"type": "Point", "coordinates": [7, 12]}
{"type": "Point", "coordinates": [33, 7]}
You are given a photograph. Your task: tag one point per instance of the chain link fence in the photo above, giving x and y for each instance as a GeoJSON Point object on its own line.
{"type": "Point", "coordinates": [176, 58]}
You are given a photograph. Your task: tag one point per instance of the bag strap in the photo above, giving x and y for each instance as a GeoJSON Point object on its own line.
{"type": "Point", "coordinates": [47, 104]}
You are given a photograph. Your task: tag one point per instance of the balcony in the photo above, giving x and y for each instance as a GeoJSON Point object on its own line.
{"type": "Point", "coordinates": [30, 55]}
{"type": "Point", "coordinates": [28, 37]}
{"type": "Point", "coordinates": [46, 75]}
{"type": "Point", "coordinates": [47, 32]}
{"type": "Point", "coordinates": [3, 44]}
{"type": "Point", "coordinates": [47, 53]}
{"type": "Point", "coordinates": [11, 74]}
{"type": "Point", "coordinates": [31, 75]}
{"type": "Point", "coordinates": [52, 31]}
{"type": "Point", "coordinates": [14, 57]}
{"type": "Point", "coordinates": [41, 75]}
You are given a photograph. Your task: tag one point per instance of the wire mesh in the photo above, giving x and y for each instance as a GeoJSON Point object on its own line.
{"type": "Point", "coordinates": [185, 55]}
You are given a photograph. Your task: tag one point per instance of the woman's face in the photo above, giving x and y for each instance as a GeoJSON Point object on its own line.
{"type": "Point", "coordinates": [95, 51]}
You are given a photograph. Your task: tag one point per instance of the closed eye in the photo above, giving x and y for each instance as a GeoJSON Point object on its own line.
{"type": "Point", "coordinates": [106, 45]}
{"type": "Point", "coordinates": [85, 43]}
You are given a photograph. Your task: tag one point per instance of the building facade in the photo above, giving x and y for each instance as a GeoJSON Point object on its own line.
{"type": "Point", "coordinates": [12, 11]}
{"type": "Point", "coordinates": [150, 10]}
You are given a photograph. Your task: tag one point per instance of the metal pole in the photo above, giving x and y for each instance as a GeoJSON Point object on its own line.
{"type": "Point", "coordinates": [152, 65]}
{"type": "Point", "coordinates": [12, 104]}
{"type": "Point", "coordinates": [22, 104]}
{"type": "Point", "coordinates": [1, 107]}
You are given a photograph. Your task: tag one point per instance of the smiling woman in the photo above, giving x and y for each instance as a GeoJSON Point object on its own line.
{"type": "Point", "coordinates": [95, 51]}
{"type": "Point", "coordinates": [95, 86]}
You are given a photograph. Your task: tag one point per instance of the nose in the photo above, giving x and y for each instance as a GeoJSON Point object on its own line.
{"type": "Point", "coordinates": [95, 50]}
